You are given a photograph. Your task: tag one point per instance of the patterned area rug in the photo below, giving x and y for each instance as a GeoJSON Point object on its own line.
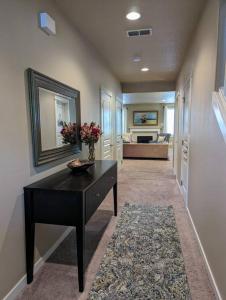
{"type": "Point", "coordinates": [143, 259]}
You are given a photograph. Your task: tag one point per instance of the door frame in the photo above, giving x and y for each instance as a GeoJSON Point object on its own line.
{"type": "Point", "coordinates": [109, 93]}
{"type": "Point", "coordinates": [188, 81]}
{"type": "Point", "coordinates": [118, 100]}
{"type": "Point", "coordinates": [176, 140]}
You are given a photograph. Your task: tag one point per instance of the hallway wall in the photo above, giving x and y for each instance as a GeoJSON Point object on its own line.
{"type": "Point", "coordinates": [66, 57]}
{"type": "Point", "coordinates": [207, 188]}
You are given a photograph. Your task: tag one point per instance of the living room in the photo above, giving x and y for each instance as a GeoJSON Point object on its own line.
{"type": "Point", "coordinates": [148, 125]}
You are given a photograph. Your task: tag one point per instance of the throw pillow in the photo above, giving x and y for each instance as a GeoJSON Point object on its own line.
{"type": "Point", "coordinates": [126, 137]}
{"type": "Point", "coordinates": [161, 139]}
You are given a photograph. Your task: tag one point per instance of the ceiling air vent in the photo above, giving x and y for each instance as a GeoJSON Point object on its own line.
{"type": "Point", "coordinates": [139, 32]}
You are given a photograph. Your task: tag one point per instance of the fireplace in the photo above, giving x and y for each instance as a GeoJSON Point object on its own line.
{"type": "Point", "coordinates": [141, 131]}
{"type": "Point", "coordinates": [144, 139]}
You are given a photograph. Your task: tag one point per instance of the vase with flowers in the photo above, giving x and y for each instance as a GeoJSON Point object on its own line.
{"type": "Point", "coordinates": [90, 134]}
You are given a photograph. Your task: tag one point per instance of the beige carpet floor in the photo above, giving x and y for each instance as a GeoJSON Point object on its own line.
{"type": "Point", "coordinates": [140, 181]}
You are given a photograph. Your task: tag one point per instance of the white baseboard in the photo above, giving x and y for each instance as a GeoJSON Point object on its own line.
{"type": "Point", "coordinates": [209, 271]}
{"type": "Point", "coordinates": [14, 292]}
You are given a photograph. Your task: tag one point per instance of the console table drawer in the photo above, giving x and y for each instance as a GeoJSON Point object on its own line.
{"type": "Point", "coordinates": [96, 194]}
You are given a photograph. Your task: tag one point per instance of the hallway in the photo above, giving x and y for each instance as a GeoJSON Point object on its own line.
{"type": "Point", "coordinates": [128, 79]}
{"type": "Point", "coordinates": [144, 181]}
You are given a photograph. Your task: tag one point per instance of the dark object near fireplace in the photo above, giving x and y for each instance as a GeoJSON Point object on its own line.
{"type": "Point", "coordinates": [144, 139]}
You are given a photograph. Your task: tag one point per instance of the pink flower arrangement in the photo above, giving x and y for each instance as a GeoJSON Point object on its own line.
{"type": "Point", "coordinates": [90, 133]}
{"type": "Point", "coordinates": [70, 133]}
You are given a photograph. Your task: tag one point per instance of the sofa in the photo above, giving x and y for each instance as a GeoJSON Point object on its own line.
{"type": "Point", "coordinates": [157, 149]}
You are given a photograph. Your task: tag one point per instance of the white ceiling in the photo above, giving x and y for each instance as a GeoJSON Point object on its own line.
{"type": "Point", "coordinates": [141, 98]}
{"type": "Point", "coordinates": [104, 24]}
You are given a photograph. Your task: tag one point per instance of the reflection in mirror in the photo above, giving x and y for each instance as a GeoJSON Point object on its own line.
{"type": "Point", "coordinates": [55, 110]}
{"type": "Point", "coordinates": [51, 104]}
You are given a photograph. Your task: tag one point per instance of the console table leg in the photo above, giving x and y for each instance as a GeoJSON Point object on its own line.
{"type": "Point", "coordinates": [80, 235]}
{"type": "Point", "coordinates": [115, 194]}
{"type": "Point", "coordinates": [29, 235]}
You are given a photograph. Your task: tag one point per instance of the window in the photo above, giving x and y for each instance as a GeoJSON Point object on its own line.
{"type": "Point", "coordinates": [169, 120]}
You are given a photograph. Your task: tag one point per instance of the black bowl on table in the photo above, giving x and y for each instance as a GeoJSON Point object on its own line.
{"type": "Point", "coordinates": [85, 164]}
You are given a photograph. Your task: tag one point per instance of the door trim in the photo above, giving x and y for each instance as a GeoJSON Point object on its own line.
{"type": "Point", "coordinates": [110, 94]}
{"type": "Point", "coordinates": [188, 81]}
{"type": "Point", "coordinates": [118, 101]}
{"type": "Point", "coordinates": [176, 131]}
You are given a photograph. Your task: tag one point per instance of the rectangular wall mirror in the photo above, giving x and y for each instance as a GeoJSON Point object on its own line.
{"type": "Point", "coordinates": [52, 104]}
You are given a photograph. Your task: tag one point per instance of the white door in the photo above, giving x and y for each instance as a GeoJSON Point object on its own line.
{"type": "Point", "coordinates": [118, 130]}
{"type": "Point", "coordinates": [106, 125]}
{"type": "Point", "coordinates": [185, 147]}
{"type": "Point", "coordinates": [176, 134]}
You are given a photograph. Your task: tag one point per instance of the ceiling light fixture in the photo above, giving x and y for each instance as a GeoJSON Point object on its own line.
{"type": "Point", "coordinates": [133, 15]}
{"type": "Point", "coordinates": [137, 59]}
{"type": "Point", "coordinates": [145, 69]}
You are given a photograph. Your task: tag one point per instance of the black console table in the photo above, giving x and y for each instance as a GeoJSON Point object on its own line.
{"type": "Point", "coordinates": [67, 199]}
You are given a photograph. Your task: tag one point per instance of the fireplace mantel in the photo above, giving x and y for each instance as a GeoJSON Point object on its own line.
{"type": "Point", "coordinates": [144, 129]}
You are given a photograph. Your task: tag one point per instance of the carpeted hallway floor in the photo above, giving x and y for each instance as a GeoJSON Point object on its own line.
{"type": "Point", "coordinates": [140, 181]}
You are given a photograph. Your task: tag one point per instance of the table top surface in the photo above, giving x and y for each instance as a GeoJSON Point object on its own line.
{"type": "Point", "coordinates": [65, 180]}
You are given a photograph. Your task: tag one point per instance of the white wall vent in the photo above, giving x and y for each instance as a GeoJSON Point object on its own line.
{"type": "Point", "coordinates": [139, 32]}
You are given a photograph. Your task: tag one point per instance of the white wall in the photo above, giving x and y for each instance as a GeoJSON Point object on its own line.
{"type": "Point", "coordinates": [65, 57]}
{"type": "Point", "coordinates": [207, 178]}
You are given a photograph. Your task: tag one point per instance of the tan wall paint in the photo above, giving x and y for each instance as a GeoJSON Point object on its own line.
{"type": "Point", "coordinates": [207, 189]}
{"type": "Point", "coordinates": [145, 107]}
{"type": "Point", "coordinates": [65, 57]}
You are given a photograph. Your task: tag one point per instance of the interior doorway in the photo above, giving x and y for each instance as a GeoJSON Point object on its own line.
{"type": "Point", "coordinates": [148, 118]}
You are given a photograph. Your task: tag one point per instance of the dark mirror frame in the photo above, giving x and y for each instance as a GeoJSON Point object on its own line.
{"type": "Point", "coordinates": [37, 80]}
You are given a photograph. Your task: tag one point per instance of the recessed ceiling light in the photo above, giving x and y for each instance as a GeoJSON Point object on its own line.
{"type": "Point", "coordinates": [133, 15]}
{"type": "Point", "coordinates": [137, 59]}
{"type": "Point", "coordinates": [145, 69]}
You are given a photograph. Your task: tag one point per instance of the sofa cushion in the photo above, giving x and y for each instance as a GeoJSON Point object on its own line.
{"type": "Point", "coordinates": [161, 139]}
{"type": "Point", "coordinates": [126, 137]}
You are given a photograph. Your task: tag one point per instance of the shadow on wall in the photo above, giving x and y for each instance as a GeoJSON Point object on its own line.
{"type": "Point", "coordinates": [46, 235]}
{"type": "Point", "coordinates": [66, 253]}
{"type": "Point", "coordinates": [60, 271]}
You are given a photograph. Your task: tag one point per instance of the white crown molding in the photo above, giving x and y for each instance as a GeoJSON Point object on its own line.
{"type": "Point", "coordinates": [219, 108]}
